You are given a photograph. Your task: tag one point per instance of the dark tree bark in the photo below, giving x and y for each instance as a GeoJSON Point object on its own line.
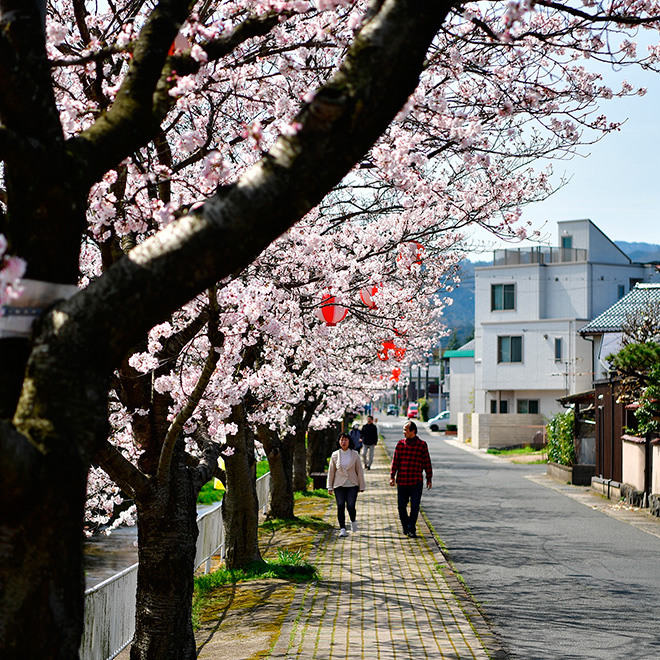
{"type": "Point", "coordinates": [297, 439]}
{"type": "Point", "coordinates": [280, 464]}
{"type": "Point", "coordinates": [320, 445]}
{"type": "Point", "coordinates": [301, 417]}
{"type": "Point", "coordinates": [240, 509]}
{"type": "Point", "coordinates": [167, 537]}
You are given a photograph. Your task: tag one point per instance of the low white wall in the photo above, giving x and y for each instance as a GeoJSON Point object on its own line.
{"type": "Point", "coordinates": [633, 463]}
{"type": "Point", "coordinates": [464, 424]}
{"type": "Point", "coordinates": [655, 476]}
{"type": "Point", "coordinates": [504, 430]}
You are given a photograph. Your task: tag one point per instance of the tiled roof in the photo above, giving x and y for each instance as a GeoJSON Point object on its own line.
{"type": "Point", "coordinates": [613, 319]}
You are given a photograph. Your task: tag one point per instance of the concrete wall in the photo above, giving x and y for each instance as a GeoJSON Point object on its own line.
{"type": "Point", "coordinates": [464, 423]}
{"type": "Point", "coordinates": [511, 430]}
{"type": "Point", "coordinates": [633, 463]}
{"type": "Point", "coordinates": [461, 387]}
{"type": "Point", "coordinates": [655, 477]}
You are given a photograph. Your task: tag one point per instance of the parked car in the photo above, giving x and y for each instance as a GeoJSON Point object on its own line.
{"type": "Point", "coordinates": [412, 410]}
{"type": "Point", "coordinates": [439, 422]}
{"type": "Point", "coordinates": [392, 409]}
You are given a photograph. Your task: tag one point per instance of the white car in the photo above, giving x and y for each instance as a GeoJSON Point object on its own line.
{"type": "Point", "coordinates": [439, 422]}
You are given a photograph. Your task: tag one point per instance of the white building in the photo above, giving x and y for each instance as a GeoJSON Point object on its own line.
{"type": "Point", "coordinates": [458, 379]}
{"type": "Point", "coordinates": [529, 306]}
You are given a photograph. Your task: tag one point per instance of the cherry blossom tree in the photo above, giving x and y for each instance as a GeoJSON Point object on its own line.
{"type": "Point", "coordinates": [160, 148]}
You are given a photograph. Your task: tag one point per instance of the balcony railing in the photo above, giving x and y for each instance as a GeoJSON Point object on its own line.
{"type": "Point", "coordinates": [540, 254]}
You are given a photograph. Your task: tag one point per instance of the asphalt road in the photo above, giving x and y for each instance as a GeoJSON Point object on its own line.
{"type": "Point", "coordinates": [558, 580]}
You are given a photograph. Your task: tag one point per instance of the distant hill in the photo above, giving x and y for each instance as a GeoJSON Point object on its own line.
{"type": "Point", "coordinates": [640, 252]}
{"type": "Point", "coordinates": [459, 316]}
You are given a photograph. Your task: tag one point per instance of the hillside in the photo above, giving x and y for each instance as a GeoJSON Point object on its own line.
{"type": "Point", "coordinates": [640, 252]}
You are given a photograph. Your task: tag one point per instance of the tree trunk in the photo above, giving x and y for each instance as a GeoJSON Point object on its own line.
{"type": "Point", "coordinates": [320, 445]}
{"type": "Point", "coordinates": [40, 550]}
{"type": "Point", "coordinates": [280, 463]}
{"type": "Point", "coordinates": [167, 537]}
{"type": "Point", "coordinates": [299, 450]}
{"type": "Point", "coordinates": [240, 508]}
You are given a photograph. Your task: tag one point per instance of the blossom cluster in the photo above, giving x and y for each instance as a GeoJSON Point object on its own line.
{"type": "Point", "coordinates": [504, 88]}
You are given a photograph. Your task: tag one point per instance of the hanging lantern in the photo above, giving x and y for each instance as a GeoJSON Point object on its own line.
{"type": "Point", "coordinates": [383, 353]}
{"type": "Point", "coordinates": [396, 374]}
{"type": "Point", "coordinates": [412, 251]}
{"type": "Point", "coordinates": [179, 44]}
{"type": "Point", "coordinates": [330, 313]}
{"type": "Point", "coordinates": [366, 296]}
{"type": "Point", "coordinates": [400, 332]}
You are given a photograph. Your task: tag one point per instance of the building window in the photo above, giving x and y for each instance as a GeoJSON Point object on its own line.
{"type": "Point", "coordinates": [567, 242]}
{"type": "Point", "coordinates": [558, 349]}
{"type": "Point", "coordinates": [620, 291]}
{"type": "Point", "coordinates": [504, 406]}
{"type": "Point", "coordinates": [509, 349]}
{"type": "Point", "coordinates": [528, 406]}
{"type": "Point", "coordinates": [502, 296]}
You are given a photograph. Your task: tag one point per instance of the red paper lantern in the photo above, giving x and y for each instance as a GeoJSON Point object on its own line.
{"type": "Point", "coordinates": [366, 296]}
{"type": "Point", "coordinates": [383, 353]}
{"type": "Point", "coordinates": [331, 313]}
{"type": "Point", "coordinates": [396, 374]}
{"type": "Point", "coordinates": [411, 250]}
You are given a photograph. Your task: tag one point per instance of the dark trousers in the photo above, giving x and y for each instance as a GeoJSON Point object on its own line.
{"type": "Point", "coordinates": [412, 494]}
{"type": "Point", "coordinates": [346, 496]}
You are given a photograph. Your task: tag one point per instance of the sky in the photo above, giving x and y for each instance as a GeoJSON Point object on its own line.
{"type": "Point", "coordinates": [617, 185]}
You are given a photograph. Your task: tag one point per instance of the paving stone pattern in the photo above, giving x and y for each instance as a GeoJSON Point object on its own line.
{"type": "Point", "coordinates": [382, 595]}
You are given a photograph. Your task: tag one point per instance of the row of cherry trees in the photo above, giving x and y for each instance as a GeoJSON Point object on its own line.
{"type": "Point", "coordinates": [210, 173]}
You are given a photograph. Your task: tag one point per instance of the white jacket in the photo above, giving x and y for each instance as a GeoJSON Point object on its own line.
{"type": "Point", "coordinates": [338, 475]}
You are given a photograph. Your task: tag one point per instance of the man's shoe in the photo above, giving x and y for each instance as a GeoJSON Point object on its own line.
{"type": "Point", "coordinates": [342, 532]}
{"type": "Point", "coordinates": [354, 526]}
{"type": "Point", "coordinates": [412, 533]}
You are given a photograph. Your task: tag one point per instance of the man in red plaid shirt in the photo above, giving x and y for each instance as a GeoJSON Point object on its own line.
{"type": "Point", "coordinates": [411, 458]}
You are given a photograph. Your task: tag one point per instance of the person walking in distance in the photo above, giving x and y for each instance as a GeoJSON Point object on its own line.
{"type": "Point", "coordinates": [369, 435]}
{"type": "Point", "coordinates": [356, 437]}
{"type": "Point", "coordinates": [411, 459]}
{"type": "Point", "coordinates": [345, 479]}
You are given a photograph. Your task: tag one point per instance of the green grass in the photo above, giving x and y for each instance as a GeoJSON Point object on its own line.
{"type": "Point", "coordinates": [209, 494]}
{"type": "Point", "coordinates": [288, 565]}
{"type": "Point", "coordinates": [317, 492]}
{"type": "Point", "coordinates": [312, 522]}
{"type": "Point", "coordinates": [515, 451]}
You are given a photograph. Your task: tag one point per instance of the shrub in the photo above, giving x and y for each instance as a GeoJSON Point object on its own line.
{"type": "Point", "coordinates": [423, 407]}
{"type": "Point", "coordinates": [561, 444]}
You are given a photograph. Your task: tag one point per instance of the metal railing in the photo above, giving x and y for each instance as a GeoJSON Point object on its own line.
{"type": "Point", "coordinates": [540, 254]}
{"type": "Point", "coordinates": [110, 605]}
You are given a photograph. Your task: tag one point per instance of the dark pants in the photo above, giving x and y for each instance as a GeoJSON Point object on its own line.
{"type": "Point", "coordinates": [412, 494]}
{"type": "Point", "coordinates": [346, 496]}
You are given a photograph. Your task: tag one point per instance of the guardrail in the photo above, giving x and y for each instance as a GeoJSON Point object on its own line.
{"type": "Point", "coordinates": [110, 605]}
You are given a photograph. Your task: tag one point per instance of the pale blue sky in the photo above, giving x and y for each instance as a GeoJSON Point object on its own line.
{"type": "Point", "coordinates": [617, 186]}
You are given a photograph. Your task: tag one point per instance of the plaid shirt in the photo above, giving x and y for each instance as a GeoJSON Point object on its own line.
{"type": "Point", "coordinates": [411, 458]}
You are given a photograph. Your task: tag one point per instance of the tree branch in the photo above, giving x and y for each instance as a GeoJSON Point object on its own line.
{"type": "Point", "coordinates": [215, 339]}
{"type": "Point", "coordinates": [129, 478]}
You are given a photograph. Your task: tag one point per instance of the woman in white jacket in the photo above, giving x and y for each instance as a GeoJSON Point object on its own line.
{"type": "Point", "coordinates": [345, 479]}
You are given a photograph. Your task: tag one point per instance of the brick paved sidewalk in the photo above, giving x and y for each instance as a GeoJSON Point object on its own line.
{"type": "Point", "coordinates": [381, 595]}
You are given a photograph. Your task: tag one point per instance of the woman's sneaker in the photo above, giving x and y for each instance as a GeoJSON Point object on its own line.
{"type": "Point", "coordinates": [342, 532]}
{"type": "Point", "coordinates": [354, 526]}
